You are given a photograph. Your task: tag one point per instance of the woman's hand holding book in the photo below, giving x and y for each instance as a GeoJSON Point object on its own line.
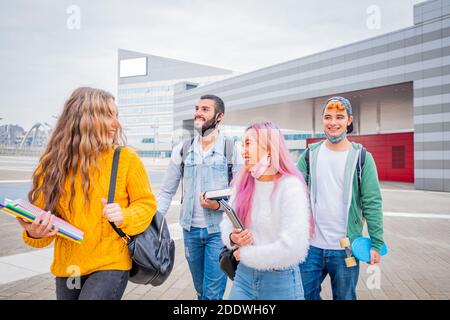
{"type": "Point", "coordinates": [42, 226]}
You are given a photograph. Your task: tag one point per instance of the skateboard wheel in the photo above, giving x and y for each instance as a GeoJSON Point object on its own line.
{"type": "Point", "coordinates": [344, 242]}
{"type": "Point", "coordinates": [350, 262]}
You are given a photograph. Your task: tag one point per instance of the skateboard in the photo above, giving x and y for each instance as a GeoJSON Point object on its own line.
{"type": "Point", "coordinates": [360, 249]}
{"type": "Point", "coordinates": [349, 261]}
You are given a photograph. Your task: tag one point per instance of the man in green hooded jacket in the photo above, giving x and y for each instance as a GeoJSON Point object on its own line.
{"type": "Point", "coordinates": [343, 197]}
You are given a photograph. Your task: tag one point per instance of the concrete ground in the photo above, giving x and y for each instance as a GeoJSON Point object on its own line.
{"type": "Point", "coordinates": [416, 225]}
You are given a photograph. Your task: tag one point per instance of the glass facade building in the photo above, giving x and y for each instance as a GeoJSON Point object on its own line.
{"type": "Point", "coordinates": [145, 97]}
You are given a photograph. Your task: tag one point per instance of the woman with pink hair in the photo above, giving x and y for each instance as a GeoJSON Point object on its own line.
{"type": "Point", "coordinates": [271, 200]}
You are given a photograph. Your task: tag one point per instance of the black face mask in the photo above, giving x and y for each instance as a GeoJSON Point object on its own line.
{"type": "Point", "coordinates": [208, 126]}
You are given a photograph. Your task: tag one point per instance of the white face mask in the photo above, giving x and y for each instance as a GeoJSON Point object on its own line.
{"type": "Point", "coordinates": [258, 169]}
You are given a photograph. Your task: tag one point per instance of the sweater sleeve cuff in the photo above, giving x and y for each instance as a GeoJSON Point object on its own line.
{"type": "Point", "coordinates": [225, 234]}
{"type": "Point", "coordinates": [36, 243]}
{"type": "Point", "coordinates": [247, 256]}
{"type": "Point", "coordinates": [226, 240]}
{"type": "Point", "coordinates": [126, 214]}
{"type": "Point", "coordinates": [134, 222]}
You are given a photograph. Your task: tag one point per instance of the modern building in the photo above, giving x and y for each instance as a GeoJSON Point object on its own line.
{"type": "Point", "coordinates": [146, 88]}
{"type": "Point", "coordinates": [9, 134]}
{"type": "Point", "coordinates": [398, 83]}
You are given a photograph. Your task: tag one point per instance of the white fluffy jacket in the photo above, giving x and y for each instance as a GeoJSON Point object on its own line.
{"type": "Point", "coordinates": [279, 224]}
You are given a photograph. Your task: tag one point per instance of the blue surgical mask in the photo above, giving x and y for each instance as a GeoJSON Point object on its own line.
{"type": "Point", "coordinates": [336, 139]}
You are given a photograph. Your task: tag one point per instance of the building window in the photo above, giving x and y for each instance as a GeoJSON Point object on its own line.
{"type": "Point", "coordinates": [190, 86]}
{"type": "Point", "coordinates": [148, 140]}
{"type": "Point", "coordinates": [398, 157]}
{"type": "Point", "coordinates": [297, 136]}
{"type": "Point", "coordinates": [154, 153]}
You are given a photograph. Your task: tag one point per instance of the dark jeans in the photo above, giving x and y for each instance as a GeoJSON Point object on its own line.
{"type": "Point", "coordinates": [100, 285]}
{"type": "Point", "coordinates": [321, 262]}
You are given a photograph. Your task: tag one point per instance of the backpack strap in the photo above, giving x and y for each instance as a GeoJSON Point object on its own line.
{"type": "Point", "coordinates": [183, 153]}
{"type": "Point", "coordinates": [360, 164]}
{"type": "Point", "coordinates": [359, 169]}
{"type": "Point", "coordinates": [307, 164]}
{"type": "Point", "coordinates": [229, 150]}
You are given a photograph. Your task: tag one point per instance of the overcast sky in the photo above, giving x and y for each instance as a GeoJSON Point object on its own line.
{"type": "Point", "coordinates": [42, 60]}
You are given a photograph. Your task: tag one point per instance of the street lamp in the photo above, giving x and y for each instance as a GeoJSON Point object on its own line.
{"type": "Point", "coordinates": [1, 140]}
{"type": "Point", "coordinates": [155, 146]}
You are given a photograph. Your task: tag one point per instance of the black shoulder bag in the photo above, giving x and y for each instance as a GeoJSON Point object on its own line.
{"type": "Point", "coordinates": [153, 251]}
{"type": "Point", "coordinates": [228, 262]}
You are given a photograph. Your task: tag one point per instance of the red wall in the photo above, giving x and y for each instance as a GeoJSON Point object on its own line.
{"type": "Point", "coordinates": [380, 146]}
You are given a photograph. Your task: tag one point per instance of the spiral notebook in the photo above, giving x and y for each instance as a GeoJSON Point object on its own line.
{"type": "Point", "coordinates": [28, 212]}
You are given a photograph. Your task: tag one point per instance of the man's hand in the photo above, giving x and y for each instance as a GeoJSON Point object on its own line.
{"type": "Point", "coordinates": [42, 226]}
{"type": "Point", "coordinates": [210, 204]}
{"type": "Point", "coordinates": [374, 257]}
{"type": "Point", "coordinates": [112, 212]}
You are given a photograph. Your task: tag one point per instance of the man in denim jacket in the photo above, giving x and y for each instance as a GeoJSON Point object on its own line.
{"type": "Point", "coordinates": [205, 168]}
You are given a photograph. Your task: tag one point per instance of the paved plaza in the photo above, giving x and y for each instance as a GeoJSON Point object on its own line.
{"type": "Point", "coordinates": [416, 224]}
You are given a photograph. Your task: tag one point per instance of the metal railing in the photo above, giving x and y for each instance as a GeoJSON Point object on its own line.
{"type": "Point", "coordinates": [24, 151]}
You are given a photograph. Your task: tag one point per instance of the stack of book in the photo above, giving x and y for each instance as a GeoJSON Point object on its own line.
{"type": "Point", "coordinates": [28, 212]}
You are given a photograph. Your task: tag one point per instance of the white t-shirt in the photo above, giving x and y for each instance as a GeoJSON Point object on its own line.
{"type": "Point", "coordinates": [198, 217]}
{"type": "Point", "coordinates": [330, 213]}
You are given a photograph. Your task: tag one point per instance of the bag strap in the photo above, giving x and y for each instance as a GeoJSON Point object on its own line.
{"type": "Point", "coordinates": [307, 164]}
{"type": "Point", "coordinates": [112, 191]}
{"type": "Point", "coordinates": [183, 153]}
{"type": "Point", "coordinates": [359, 169]}
{"type": "Point", "coordinates": [360, 166]}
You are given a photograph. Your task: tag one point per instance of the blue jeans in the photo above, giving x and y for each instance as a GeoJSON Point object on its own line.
{"type": "Point", "coordinates": [321, 262]}
{"type": "Point", "coordinates": [275, 284]}
{"type": "Point", "coordinates": [202, 254]}
{"type": "Point", "coordinates": [100, 285]}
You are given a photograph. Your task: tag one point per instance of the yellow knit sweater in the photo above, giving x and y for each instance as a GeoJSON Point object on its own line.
{"type": "Point", "coordinates": [102, 248]}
